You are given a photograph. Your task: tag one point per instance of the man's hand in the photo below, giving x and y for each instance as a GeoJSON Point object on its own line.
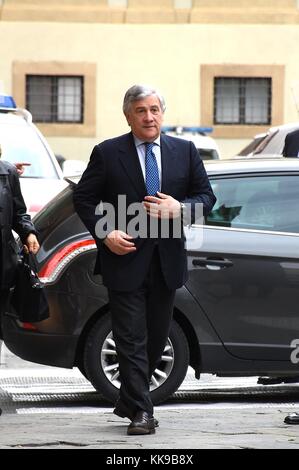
{"type": "Point", "coordinates": [162, 207]}
{"type": "Point", "coordinates": [31, 244]}
{"type": "Point", "coordinates": [119, 242]}
{"type": "Point", "coordinates": [20, 167]}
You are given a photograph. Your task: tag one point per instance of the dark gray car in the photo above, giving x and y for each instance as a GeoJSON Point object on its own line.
{"type": "Point", "coordinates": [237, 315]}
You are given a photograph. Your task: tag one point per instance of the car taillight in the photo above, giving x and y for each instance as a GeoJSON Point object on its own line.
{"type": "Point", "coordinates": [27, 325]}
{"type": "Point", "coordinates": [50, 272]}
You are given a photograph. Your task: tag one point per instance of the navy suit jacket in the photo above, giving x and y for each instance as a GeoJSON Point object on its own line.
{"type": "Point", "coordinates": [114, 169]}
{"type": "Point", "coordinates": [291, 146]}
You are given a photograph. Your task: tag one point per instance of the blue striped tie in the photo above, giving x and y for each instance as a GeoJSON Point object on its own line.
{"type": "Point", "coordinates": [151, 170]}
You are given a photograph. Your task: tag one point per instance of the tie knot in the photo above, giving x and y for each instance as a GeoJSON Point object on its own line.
{"type": "Point", "coordinates": [149, 146]}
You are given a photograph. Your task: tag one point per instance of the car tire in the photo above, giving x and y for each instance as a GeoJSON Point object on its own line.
{"type": "Point", "coordinates": [82, 370]}
{"type": "Point", "coordinates": [106, 382]}
{"type": "Point", "coordinates": [181, 362]}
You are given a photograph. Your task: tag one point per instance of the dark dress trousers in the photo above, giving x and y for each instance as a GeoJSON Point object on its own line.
{"type": "Point", "coordinates": [291, 145]}
{"type": "Point", "coordinates": [141, 284]}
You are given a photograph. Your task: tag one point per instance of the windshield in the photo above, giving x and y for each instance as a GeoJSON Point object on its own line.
{"type": "Point", "coordinates": [263, 144]}
{"type": "Point", "coordinates": [20, 143]}
{"type": "Point", "coordinates": [251, 147]}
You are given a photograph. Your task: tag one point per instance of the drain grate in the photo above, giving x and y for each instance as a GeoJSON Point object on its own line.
{"type": "Point", "coordinates": [42, 391]}
{"type": "Point", "coordinates": [26, 391]}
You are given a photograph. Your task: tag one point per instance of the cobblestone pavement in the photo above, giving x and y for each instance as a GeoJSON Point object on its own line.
{"type": "Point", "coordinates": [52, 408]}
{"type": "Point", "coordinates": [49, 408]}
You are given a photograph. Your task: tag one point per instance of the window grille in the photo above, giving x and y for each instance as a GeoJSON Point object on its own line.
{"type": "Point", "coordinates": [242, 100]}
{"type": "Point", "coordinates": [56, 99]}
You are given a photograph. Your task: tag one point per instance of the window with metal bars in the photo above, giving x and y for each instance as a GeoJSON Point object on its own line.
{"type": "Point", "coordinates": [242, 100]}
{"type": "Point", "coordinates": [56, 99]}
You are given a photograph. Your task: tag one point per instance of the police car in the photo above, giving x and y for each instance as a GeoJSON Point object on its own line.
{"type": "Point", "coordinates": [22, 142]}
{"type": "Point", "coordinates": [206, 145]}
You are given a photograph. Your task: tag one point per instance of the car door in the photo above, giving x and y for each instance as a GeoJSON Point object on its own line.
{"type": "Point", "coordinates": [245, 273]}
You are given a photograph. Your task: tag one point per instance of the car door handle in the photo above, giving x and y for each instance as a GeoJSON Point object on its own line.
{"type": "Point", "coordinates": [212, 263]}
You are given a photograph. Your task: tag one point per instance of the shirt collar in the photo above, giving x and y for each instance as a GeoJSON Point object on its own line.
{"type": "Point", "coordinates": [141, 142]}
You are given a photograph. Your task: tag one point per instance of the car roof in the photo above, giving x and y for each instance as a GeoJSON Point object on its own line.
{"type": "Point", "coordinates": [288, 127]}
{"type": "Point", "coordinates": [13, 119]}
{"type": "Point", "coordinates": [251, 165]}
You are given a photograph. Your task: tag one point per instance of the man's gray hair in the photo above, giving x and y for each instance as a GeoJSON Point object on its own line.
{"type": "Point", "coordinates": [139, 92]}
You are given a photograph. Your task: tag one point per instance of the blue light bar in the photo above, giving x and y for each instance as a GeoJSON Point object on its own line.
{"type": "Point", "coordinates": [7, 101]}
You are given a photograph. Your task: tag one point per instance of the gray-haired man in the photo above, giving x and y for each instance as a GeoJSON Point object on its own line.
{"type": "Point", "coordinates": [141, 272]}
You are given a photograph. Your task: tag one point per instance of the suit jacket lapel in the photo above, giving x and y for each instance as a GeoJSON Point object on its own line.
{"type": "Point", "coordinates": [129, 159]}
{"type": "Point", "coordinates": [168, 159]}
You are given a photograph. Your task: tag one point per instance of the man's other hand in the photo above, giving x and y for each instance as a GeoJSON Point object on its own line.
{"type": "Point", "coordinates": [119, 242]}
{"type": "Point", "coordinates": [162, 207]}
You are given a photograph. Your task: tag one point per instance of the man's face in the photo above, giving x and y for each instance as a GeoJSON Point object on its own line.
{"type": "Point", "coordinates": [145, 117]}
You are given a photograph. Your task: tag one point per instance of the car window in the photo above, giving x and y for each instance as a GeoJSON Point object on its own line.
{"type": "Point", "coordinates": [256, 202]}
{"type": "Point", "coordinates": [21, 144]}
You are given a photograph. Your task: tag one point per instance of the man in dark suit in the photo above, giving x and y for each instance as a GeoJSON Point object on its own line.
{"type": "Point", "coordinates": [291, 145]}
{"type": "Point", "coordinates": [142, 264]}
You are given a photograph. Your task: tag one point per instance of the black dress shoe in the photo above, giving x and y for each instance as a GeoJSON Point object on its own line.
{"type": "Point", "coordinates": [142, 423]}
{"type": "Point", "coordinates": [292, 418]}
{"type": "Point", "coordinates": [123, 411]}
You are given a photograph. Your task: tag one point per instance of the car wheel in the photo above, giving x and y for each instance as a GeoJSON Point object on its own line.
{"type": "Point", "coordinates": [102, 368]}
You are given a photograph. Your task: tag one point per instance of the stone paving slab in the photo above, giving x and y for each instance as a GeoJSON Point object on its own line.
{"type": "Point", "coordinates": [225, 414]}
{"type": "Point", "coordinates": [179, 429]}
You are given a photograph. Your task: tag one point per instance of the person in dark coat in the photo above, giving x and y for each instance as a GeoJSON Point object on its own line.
{"type": "Point", "coordinates": [163, 176]}
{"type": "Point", "coordinates": [13, 217]}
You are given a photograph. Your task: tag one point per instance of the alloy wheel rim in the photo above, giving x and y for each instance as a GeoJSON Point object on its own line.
{"type": "Point", "coordinates": [110, 366]}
